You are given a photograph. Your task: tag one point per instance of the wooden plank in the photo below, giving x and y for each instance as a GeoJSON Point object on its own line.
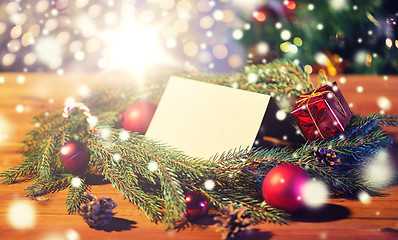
{"type": "Point", "coordinates": [342, 219]}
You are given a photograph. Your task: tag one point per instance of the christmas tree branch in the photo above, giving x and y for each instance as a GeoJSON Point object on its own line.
{"type": "Point", "coordinates": [47, 186]}
{"type": "Point", "coordinates": [122, 179]}
{"type": "Point", "coordinates": [156, 177]}
{"type": "Point", "coordinates": [24, 172]}
{"type": "Point", "coordinates": [76, 195]}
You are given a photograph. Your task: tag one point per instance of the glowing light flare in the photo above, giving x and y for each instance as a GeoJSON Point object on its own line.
{"type": "Point", "coordinates": [291, 5]}
{"type": "Point", "coordinates": [83, 90]}
{"type": "Point", "coordinates": [124, 135]}
{"type": "Point", "coordinates": [252, 78]}
{"type": "Point", "coordinates": [286, 34]}
{"type": "Point", "coordinates": [69, 101]}
{"type": "Point", "coordinates": [332, 71]}
{"type": "Point", "coordinates": [315, 194]}
{"type": "Point", "coordinates": [388, 42]}
{"type": "Point", "coordinates": [47, 49]}
{"type": "Point", "coordinates": [4, 129]}
{"type": "Point", "coordinates": [134, 48]}
{"type": "Point", "coordinates": [281, 115]}
{"type": "Point", "coordinates": [308, 69]}
{"type": "Point", "coordinates": [153, 166]}
{"type": "Point", "coordinates": [364, 197]}
{"type": "Point", "coordinates": [262, 48]}
{"type": "Point", "coordinates": [21, 215]}
{"type": "Point", "coordinates": [235, 61]}
{"type": "Point", "coordinates": [380, 171]}
{"type": "Point", "coordinates": [384, 103]}
{"type": "Point", "coordinates": [76, 182]}
{"type": "Point", "coordinates": [209, 185]}
{"type": "Point", "coordinates": [92, 121]}
{"type": "Point", "coordinates": [368, 61]}
{"type": "Point", "coordinates": [285, 46]}
{"type": "Point", "coordinates": [247, 5]}
{"type": "Point", "coordinates": [117, 157]}
{"type": "Point", "coordinates": [21, 79]}
{"type": "Point", "coordinates": [19, 108]}
{"type": "Point", "coordinates": [72, 235]}
{"type": "Point", "coordinates": [338, 4]}
{"type": "Point", "coordinates": [237, 34]}
{"type": "Point", "coordinates": [220, 51]}
{"type": "Point", "coordinates": [105, 133]}
{"type": "Point", "coordinates": [298, 41]}
{"type": "Point", "coordinates": [259, 16]}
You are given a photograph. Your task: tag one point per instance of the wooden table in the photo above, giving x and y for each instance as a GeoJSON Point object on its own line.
{"type": "Point", "coordinates": [342, 219]}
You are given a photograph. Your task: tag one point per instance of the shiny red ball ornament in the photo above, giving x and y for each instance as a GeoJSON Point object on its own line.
{"type": "Point", "coordinates": [138, 116]}
{"type": "Point", "coordinates": [283, 187]}
{"type": "Point", "coordinates": [74, 156]}
{"type": "Point", "coordinates": [197, 205]}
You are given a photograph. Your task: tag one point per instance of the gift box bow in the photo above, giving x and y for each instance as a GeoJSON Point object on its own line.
{"type": "Point", "coordinates": [320, 91]}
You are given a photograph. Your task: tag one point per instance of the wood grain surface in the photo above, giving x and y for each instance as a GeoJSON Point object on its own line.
{"type": "Point", "coordinates": [340, 219]}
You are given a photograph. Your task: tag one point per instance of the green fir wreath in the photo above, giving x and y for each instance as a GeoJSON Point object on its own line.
{"type": "Point", "coordinates": [237, 174]}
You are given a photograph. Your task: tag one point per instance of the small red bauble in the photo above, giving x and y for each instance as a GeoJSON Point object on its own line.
{"type": "Point", "coordinates": [197, 205]}
{"type": "Point", "coordinates": [283, 187]}
{"type": "Point", "coordinates": [138, 116]}
{"type": "Point", "coordinates": [74, 156]}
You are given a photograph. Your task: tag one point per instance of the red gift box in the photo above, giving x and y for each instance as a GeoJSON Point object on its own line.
{"type": "Point", "coordinates": [322, 113]}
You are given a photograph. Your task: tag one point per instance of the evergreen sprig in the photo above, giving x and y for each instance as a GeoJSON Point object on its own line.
{"type": "Point", "coordinates": [76, 194]}
{"type": "Point", "coordinates": [159, 190]}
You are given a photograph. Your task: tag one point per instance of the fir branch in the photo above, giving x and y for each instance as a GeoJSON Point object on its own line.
{"type": "Point", "coordinates": [24, 172]}
{"type": "Point", "coordinates": [124, 180]}
{"type": "Point", "coordinates": [283, 75]}
{"type": "Point", "coordinates": [47, 186]}
{"type": "Point", "coordinates": [76, 196]}
{"type": "Point", "coordinates": [170, 185]}
{"type": "Point", "coordinates": [46, 122]}
{"type": "Point", "coordinates": [380, 119]}
{"type": "Point", "coordinates": [242, 198]}
{"type": "Point", "coordinates": [238, 174]}
{"type": "Point", "coordinates": [46, 152]}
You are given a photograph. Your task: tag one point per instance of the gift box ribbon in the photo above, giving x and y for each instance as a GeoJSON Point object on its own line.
{"type": "Point", "coordinates": [305, 99]}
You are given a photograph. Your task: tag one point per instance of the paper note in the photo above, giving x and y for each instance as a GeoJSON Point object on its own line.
{"type": "Point", "coordinates": [204, 119]}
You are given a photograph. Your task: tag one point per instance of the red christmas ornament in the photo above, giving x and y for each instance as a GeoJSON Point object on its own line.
{"type": "Point", "coordinates": [74, 156]}
{"type": "Point", "coordinates": [283, 186]}
{"type": "Point", "coordinates": [138, 116]}
{"type": "Point", "coordinates": [197, 205]}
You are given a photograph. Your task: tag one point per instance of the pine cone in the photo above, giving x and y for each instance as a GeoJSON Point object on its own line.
{"type": "Point", "coordinates": [98, 212]}
{"type": "Point", "coordinates": [232, 221]}
{"type": "Point", "coordinates": [326, 156]}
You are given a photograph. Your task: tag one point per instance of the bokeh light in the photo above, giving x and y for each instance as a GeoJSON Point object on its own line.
{"type": "Point", "coordinates": [153, 166]}
{"type": "Point", "coordinates": [76, 182]}
{"type": "Point", "coordinates": [384, 103]}
{"type": "Point", "coordinates": [209, 184]}
{"type": "Point", "coordinates": [85, 35]}
{"type": "Point", "coordinates": [364, 197]}
{"type": "Point", "coordinates": [21, 215]}
{"type": "Point", "coordinates": [380, 171]}
{"type": "Point", "coordinates": [315, 194]}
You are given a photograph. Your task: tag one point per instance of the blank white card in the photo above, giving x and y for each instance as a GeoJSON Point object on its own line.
{"type": "Point", "coordinates": [204, 119]}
